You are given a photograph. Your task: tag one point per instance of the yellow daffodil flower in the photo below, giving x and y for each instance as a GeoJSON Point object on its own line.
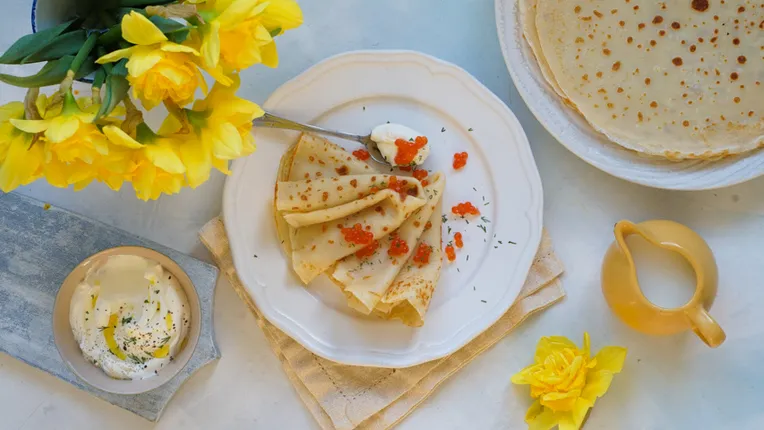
{"type": "Point", "coordinates": [566, 381]}
{"type": "Point", "coordinates": [239, 33]}
{"type": "Point", "coordinates": [221, 131]}
{"type": "Point", "coordinates": [21, 158]}
{"type": "Point", "coordinates": [71, 135]}
{"type": "Point", "coordinates": [156, 166]}
{"type": "Point", "coordinates": [157, 68]}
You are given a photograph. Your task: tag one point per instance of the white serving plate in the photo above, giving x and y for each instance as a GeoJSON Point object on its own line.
{"type": "Point", "coordinates": [354, 92]}
{"type": "Point", "coordinates": [573, 132]}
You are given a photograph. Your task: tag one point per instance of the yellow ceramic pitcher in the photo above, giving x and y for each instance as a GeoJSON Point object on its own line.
{"type": "Point", "coordinates": [625, 298]}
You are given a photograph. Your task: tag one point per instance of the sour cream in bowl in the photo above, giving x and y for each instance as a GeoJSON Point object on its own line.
{"type": "Point", "coordinates": [400, 145]}
{"type": "Point", "coordinates": [127, 320]}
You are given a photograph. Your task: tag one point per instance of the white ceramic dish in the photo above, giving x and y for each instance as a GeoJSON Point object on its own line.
{"type": "Point", "coordinates": [354, 92]}
{"type": "Point", "coordinates": [571, 130]}
{"type": "Point", "coordinates": [70, 350]}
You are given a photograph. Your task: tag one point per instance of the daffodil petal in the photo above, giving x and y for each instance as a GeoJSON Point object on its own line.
{"type": "Point", "coordinates": [12, 110]}
{"type": "Point", "coordinates": [143, 181]}
{"type": "Point", "coordinates": [164, 157]}
{"type": "Point", "coordinates": [238, 11]}
{"type": "Point", "coordinates": [211, 45]}
{"type": "Point", "coordinates": [30, 125]}
{"type": "Point", "coordinates": [62, 128]}
{"type": "Point", "coordinates": [170, 125]}
{"type": "Point", "coordinates": [221, 165]}
{"type": "Point", "coordinates": [611, 359]}
{"type": "Point", "coordinates": [120, 138]}
{"type": "Point", "coordinates": [198, 162]}
{"type": "Point", "coordinates": [142, 61]}
{"type": "Point", "coordinates": [116, 55]}
{"type": "Point", "coordinates": [549, 344]}
{"type": "Point", "coordinates": [202, 81]}
{"type": "Point", "coordinates": [284, 14]}
{"type": "Point", "coordinates": [269, 55]}
{"type": "Point", "coordinates": [227, 143]}
{"type": "Point", "coordinates": [578, 414]}
{"type": "Point", "coordinates": [137, 29]}
{"type": "Point", "coordinates": [597, 384]}
{"type": "Point", "coordinates": [22, 164]}
{"type": "Point", "coordinates": [174, 47]}
{"type": "Point", "coordinates": [560, 401]}
{"type": "Point", "coordinates": [540, 418]}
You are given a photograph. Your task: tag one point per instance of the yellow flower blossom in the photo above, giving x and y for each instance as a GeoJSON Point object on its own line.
{"type": "Point", "coordinates": [566, 381]}
{"type": "Point", "coordinates": [21, 157]}
{"type": "Point", "coordinates": [156, 167]}
{"type": "Point", "coordinates": [70, 135]}
{"type": "Point", "coordinates": [239, 33]}
{"type": "Point", "coordinates": [157, 68]}
{"type": "Point", "coordinates": [221, 131]}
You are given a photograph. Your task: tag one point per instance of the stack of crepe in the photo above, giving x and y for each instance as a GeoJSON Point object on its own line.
{"type": "Point", "coordinates": [674, 79]}
{"type": "Point", "coordinates": [320, 189]}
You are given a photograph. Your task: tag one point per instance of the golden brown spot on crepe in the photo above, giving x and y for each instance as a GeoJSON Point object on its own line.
{"type": "Point", "coordinates": [321, 162]}
{"type": "Point", "coordinates": [606, 51]}
{"type": "Point", "coordinates": [303, 197]}
{"type": "Point", "coordinates": [599, 74]}
{"type": "Point", "coordinates": [641, 26]}
{"type": "Point", "coordinates": [613, 11]}
{"type": "Point", "coordinates": [736, 41]}
{"type": "Point", "coordinates": [354, 183]}
{"type": "Point", "coordinates": [325, 196]}
{"type": "Point", "coordinates": [700, 40]}
{"type": "Point", "coordinates": [598, 14]}
{"type": "Point", "coordinates": [319, 174]}
{"type": "Point", "coordinates": [741, 59]}
{"type": "Point", "coordinates": [675, 25]}
{"type": "Point", "coordinates": [586, 18]}
{"type": "Point", "coordinates": [741, 9]}
{"type": "Point", "coordinates": [653, 43]}
{"type": "Point", "coordinates": [342, 170]}
{"type": "Point", "coordinates": [579, 39]}
{"type": "Point", "coordinates": [734, 76]}
{"type": "Point", "coordinates": [636, 7]}
{"type": "Point", "coordinates": [662, 32]}
{"type": "Point", "coordinates": [686, 123]}
{"type": "Point", "coordinates": [577, 9]}
{"type": "Point", "coordinates": [585, 77]}
{"type": "Point", "coordinates": [750, 113]}
{"type": "Point", "coordinates": [621, 23]}
{"type": "Point", "coordinates": [640, 117]}
{"type": "Point", "coordinates": [629, 39]}
{"type": "Point", "coordinates": [677, 61]}
{"type": "Point", "coordinates": [700, 5]}
{"type": "Point", "coordinates": [658, 19]}
{"type": "Point", "coordinates": [307, 175]}
{"type": "Point", "coordinates": [610, 106]}
{"type": "Point", "coordinates": [647, 81]}
{"type": "Point", "coordinates": [653, 104]}
{"type": "Point", "coordinates": [616, 66]}
{"type": "Point", "coordinates": [714, 39]}
{"type": "Point", "coordinates": [736, 99]}
{"type": "Point", "coordinates": [620, 90]}
{"type": "Point", "coordinates": [692, 48]}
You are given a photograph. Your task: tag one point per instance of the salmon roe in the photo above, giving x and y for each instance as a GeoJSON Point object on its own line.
{"type": "Point", "coordinates": [450, 253]}
{"type": "Point", "coordinates": [420, 174]}
{"type": "Point", "coordinates": [362, 154]}
{"type": "Point", "coordinates": [422, 255]}
{"type": "Point", "coordinates": [357, 235]}
{"type": "Point", "coordinates": [400, 187]}
{"type": "Point", "coordinates": [398, 247]}
{"type": "Point", "coordinates": [458, 240]}
{"type": "Point", "coordinates": [405, 168]}
{"type": "Point", "coordinates": [368, 251]}
{"type": "Point", "coordinates": [407, 150]}
{"type": "Point", "coordinates": [464, 209]}
{"type": "Point", "coordinates": [460, 160]}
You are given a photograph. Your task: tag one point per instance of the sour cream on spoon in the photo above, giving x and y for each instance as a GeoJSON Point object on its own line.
{"type": "Point", "coordinates": [400, 145]}
{"type": "Point", "coordinates": [130, 317]}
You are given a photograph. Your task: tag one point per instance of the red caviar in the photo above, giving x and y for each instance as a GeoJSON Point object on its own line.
{"type": "Point", "coordinates": [460, 160]}
{"type": "Point", "coordinates": [458, 240]}
{"type": "Point", "coordinates": [450, 253]}
{"type": "Point", "coordinates": [357, 235]}
{"type": "Point", "coordinates": [407, 150]}
{"type": "Point", "coordinates": [464, 209]}
{"type": "Point", "coordinates": [405, 168]}
{"type": "Point", "coordinates": [420, 174]}
{"type": "Point", "coordinates": [425, 183]}
{"type": "Point", "coordinates": [362, 154]}
{"type": "Point", "coordinates": [422, 255]}
{"type": "Point", "coordinates": [398, 247]}
{"type": "Point", "coordinates": [368, 251]}
{"type": "Point", "coordinates": [401, 187]}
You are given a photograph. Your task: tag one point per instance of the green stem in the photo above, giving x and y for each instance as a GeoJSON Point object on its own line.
{"type": "Point", "coordinates": [83, 53]}
{"type": "Point", "coordinates": [100, 76]}
{"type": "Point", "coordinates": [144, 134]}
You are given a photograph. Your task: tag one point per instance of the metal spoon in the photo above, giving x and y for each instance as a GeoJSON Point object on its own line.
{"type": "Point", "coordinates": [272, 121]}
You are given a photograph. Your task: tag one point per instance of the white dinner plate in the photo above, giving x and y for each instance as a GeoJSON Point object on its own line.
{"type": "Point", "coordinates": [354, 92]}
{"type": "Point", "coordinates": [572, 130]}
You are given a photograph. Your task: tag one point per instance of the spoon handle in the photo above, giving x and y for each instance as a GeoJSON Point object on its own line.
{"type": "Point", "coordinates": [272, 121]}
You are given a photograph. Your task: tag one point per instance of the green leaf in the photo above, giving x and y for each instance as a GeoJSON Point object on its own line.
{"type": "Point", "coordinates": [139, 3]}
{"type": "Point", "coordinates": [111, 36]}
{"type": "Point", "coordinates": [64, 44]}
{"type": "Point", "coordinates": [275, 32]}
{"type": "Point", "coordinates": [51, 73]}
{"type": "Point", "coordinates": [116, 90]}
{"type": "Point", "coordinates": [167, 25]}
{"type": "Point", "coordinates": [178, 36]}
{"type": "Point", "coordinates": [29, 44]}
{"type": "Point", "coordinates": [120, 69]}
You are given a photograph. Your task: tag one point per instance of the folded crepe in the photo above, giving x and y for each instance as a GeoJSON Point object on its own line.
{"type": "Point", "coordinates": [408, 298]}
{"type": "Point", "coordinates": [313, 157]}
{"type": "Point", "coordinates": [365, 279]}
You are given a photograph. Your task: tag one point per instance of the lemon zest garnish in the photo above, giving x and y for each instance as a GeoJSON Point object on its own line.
{"type": "Point", "coordinates": [108, 335]}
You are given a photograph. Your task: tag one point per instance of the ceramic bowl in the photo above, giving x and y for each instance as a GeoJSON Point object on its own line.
{"type": "Point", "coordinates": [70, 350]}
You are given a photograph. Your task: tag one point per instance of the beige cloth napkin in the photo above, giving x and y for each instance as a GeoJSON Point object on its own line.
{"type": "Point", "coordinates": [349, 397]}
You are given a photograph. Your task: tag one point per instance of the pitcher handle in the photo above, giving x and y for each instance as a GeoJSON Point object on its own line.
{"type": "Point", "coordinates": [707, 329]}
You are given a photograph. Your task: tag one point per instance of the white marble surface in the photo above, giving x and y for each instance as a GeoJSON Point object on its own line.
{"type": "Point", "coordinates": [673, 382]}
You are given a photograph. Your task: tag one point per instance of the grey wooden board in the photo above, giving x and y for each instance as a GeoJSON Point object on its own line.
{"type": "Point", "coordinates": [38, 249]}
